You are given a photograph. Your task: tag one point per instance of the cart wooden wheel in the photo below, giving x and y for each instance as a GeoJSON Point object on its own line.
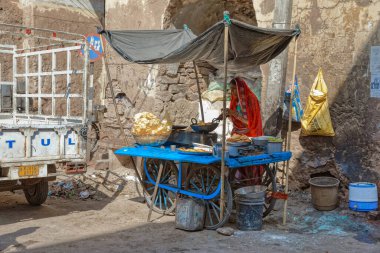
{"type": "Point", "coordinates": [204, 179]}
{"type": "Point", "coordinates": [250, 177]}
{"type": "Point", "coordinates": [165, 201]}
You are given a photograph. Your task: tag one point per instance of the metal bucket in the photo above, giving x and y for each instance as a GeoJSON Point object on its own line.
{"type": "Point", "coordinates": [190, 214]}
{"type": "Point", "coordinates": [324, 193]}
{"type": "Point", "coordinates": [249, 207]}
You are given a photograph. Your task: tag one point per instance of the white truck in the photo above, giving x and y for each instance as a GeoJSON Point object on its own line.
{"type": "Point", "coordinates": [43, 114]}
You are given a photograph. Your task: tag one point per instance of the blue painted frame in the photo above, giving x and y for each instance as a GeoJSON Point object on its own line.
{"type": "Point", "coordinates": [179, 189]}
{"type": "Point", "coordinates": [167, 154]}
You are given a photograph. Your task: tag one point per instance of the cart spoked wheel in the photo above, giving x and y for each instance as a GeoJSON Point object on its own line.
{"type": "Point", "coordinates": [204, 180]}
{"type": "Point", "coordinates": [249, 176]}
{"type": "Point", "coordinates": [165, 200]}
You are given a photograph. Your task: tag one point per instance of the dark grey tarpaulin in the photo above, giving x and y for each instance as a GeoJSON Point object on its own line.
{"type": "Point", "coordinates": [248, 45]}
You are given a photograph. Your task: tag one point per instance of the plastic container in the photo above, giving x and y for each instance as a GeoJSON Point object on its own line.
{"type": "Point", "coordinates": [249, 207]}
{"type": "Point", "coordinates": [274, 147]}
{"type": "Point", "coordinates": [190, 214]}
{"type": "Point", "coordinates": [324, 193]}
{"type": "Point", "coordinates": [363, 197]}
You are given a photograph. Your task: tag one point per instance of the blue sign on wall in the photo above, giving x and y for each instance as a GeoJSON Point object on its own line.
{"type": "Point", "coordinates": [96, 46]}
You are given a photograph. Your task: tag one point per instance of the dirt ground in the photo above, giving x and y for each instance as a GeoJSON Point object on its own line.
{"type": "Point", "coordinates": [114, 220]}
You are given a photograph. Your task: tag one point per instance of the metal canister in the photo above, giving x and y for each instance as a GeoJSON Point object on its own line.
{"type": "Point", "coordinates": [217, 150]}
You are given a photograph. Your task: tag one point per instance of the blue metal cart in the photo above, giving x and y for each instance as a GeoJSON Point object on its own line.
{"type": "Point", "coordinates": [198, 176]}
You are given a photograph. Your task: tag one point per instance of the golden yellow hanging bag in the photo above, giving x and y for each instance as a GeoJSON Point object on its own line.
{"type": "Point", "coordinates": [316, 119]}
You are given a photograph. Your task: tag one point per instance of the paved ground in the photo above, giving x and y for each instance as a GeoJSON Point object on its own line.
{"type": "Point", "coordinates": [118, 224]}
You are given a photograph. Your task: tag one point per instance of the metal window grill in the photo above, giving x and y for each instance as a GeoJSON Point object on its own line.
{"type": "Point", "coordinates": [55, 94]}
{"type": "Point", "coordinates": [46, 84]}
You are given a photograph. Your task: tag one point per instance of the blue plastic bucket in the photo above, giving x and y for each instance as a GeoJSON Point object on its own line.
{"type": "Point", "coordinates": [363, 197]}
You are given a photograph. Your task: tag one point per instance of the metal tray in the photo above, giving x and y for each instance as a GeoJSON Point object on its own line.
{"type": "Point", "coordinates": [194, 153]}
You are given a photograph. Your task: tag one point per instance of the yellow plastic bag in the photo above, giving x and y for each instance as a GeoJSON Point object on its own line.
{"type": "Point", "coordinates": [316, 119]}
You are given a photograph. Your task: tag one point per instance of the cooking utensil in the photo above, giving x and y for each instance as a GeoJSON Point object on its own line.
{"type": "Point", "coordinates": [151, 140]}
{"type": "Point", "coordinates": [206, 128]}
{"type": "Point", "coordinates": [238, 148]}
{"type": "Point", "coordinates": [178, 127]}
{"type": "Point", "coordinates": [187, 138]}
{"type": "Point", "coordinates": [260, 140]}
{"type": "Point", "coordinates": [193, 153]}
{"type": "Point", "coordinates": [238, 144]}
{"type": "Point", "coordinates": [235, 150]}
{"type": "Point", "coordinates": [201, 145]}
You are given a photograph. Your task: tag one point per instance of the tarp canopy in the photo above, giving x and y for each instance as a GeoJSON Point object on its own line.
{"type": "Point", "coordinates": [249, 45]}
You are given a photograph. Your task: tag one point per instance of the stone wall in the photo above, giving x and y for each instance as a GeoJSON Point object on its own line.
{"type": "Point", "coordinates": [177, 88]}
{"type": "Point", "coordinates": [177, 92]}
{"type": "Point", "coordinates": [336, 36]}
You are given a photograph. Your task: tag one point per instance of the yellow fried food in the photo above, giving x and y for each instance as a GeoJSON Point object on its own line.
{"type": "Point", "coordinates": [193, 150]}
{"type": "Point", "coordinates": [238, 138]}
{"type": "Point", "coordinates": [201, 123]}
{"type": "Point", "coordinates": [146, 123]}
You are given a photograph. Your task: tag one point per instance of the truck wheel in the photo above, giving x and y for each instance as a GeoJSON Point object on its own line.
{"type": "Point", "coordinates": [37, 193]}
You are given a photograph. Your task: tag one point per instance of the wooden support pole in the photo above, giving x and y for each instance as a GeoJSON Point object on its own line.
{"type": "Point", "coordinates": [289, 134]}
{"type": "Point", "coordinates": [161, 167]}
{"type": "Point", "coordinates": [199, 91]}
{"type": "Point", "coordinates": [222, 195]}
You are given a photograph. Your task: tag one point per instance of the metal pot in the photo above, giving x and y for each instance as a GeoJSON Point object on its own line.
{"type": "Point", "coordinates": [204, 128]}
{"type": "Point", "coordinates": [237, 148]}
{"type": "Point", "coordinates": [260, 140]}
{"type": "Point", "coordinates": [233, 149]}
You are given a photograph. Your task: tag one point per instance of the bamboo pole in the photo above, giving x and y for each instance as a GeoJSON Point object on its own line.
{"type": "Point", "coordinates": [289, 134]}
{"type": "Point", "coordinates": [222, 195]}
{"type": "Point", "coordinates": [199, 92]}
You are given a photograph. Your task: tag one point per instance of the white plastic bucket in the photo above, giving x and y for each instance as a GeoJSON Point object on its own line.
{"type": "Point", "coordinates": [363, 196]}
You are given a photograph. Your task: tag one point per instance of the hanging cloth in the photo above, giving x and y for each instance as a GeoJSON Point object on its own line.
{"type": "Point", "coordinates": [297, 111]}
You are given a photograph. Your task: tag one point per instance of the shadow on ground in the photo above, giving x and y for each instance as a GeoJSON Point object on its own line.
{"type": "Point", "coordinates": [106, 188]}
{"type": "Point", "coordinates": [11, 239]}
{"type": "Point", "coordinates": [163, 237]}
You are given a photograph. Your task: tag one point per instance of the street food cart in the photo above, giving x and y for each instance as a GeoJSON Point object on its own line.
{"type": "Point", "coordinates": [202, 180]}
{"type": "Point", "coordinates": [228, 43]}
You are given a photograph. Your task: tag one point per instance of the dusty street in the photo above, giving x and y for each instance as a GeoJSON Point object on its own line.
{"type": "Point", "coordinates": [118, 224]}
